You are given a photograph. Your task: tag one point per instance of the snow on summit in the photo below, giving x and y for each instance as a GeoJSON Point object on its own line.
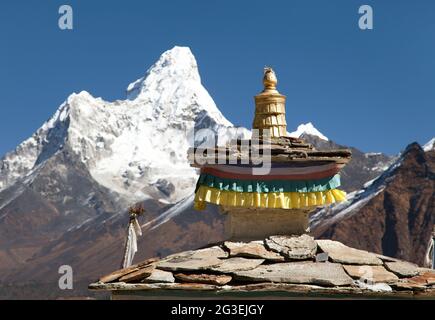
{"type": "Point", "coordinates": [135, 147]}
{"type": "Point", "coordinates": [307, 128]}
{"type": "Point", "coordinates": [430, 145]}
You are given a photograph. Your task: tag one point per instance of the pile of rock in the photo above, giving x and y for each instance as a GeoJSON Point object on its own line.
{"type": "Point", "coordinates": [292, 265]}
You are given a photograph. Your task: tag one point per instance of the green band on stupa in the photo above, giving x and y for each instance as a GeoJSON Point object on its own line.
{"type": "Point", "coordinates": [269, 185]}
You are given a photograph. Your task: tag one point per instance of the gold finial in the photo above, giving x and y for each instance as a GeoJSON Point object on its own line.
{"type": "Point", "coordinates": [270, 107]}
{"type": "Point", "coordinates": [269, 80]}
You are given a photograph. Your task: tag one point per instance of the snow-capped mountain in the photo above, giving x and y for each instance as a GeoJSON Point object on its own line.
{"type": "Point", "coordinates": [136, 147]}
{"type": "Point", "coordinates": [307, 129]}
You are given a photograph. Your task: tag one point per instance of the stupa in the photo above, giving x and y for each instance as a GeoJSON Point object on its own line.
{"type": "Point", "coordinates": [268, 185]}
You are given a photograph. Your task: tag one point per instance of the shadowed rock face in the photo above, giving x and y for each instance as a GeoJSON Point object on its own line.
{"type": "Point", "coordinates": [399, 220]}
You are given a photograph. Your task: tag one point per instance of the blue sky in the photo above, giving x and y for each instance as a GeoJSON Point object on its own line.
{"type": "Point", "coordinates": [372, 89]}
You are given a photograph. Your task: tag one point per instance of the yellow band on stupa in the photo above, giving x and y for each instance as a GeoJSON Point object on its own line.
{"type": "Point", "coordinates": [276, 200]}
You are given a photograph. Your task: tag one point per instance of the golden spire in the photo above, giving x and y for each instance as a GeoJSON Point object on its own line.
{"type": "Point", "coordinates": [270, 107]}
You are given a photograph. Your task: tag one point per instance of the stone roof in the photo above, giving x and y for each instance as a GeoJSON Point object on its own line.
{"type": "Point", "coordinates": [276, 266]}
{"type": "Point", "coordinates": [283, 150]}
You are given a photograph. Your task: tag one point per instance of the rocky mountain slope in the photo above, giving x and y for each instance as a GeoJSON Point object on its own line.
{"type": "Point", "coordinates": [393, 215]}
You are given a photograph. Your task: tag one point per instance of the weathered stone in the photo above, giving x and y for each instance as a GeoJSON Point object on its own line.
{"type": "Point", "coordinates": [262, 288]}
{"type": "Point", "coordinates": [424, 278]}
{"type": "Point", "coordinates": [138, 275]}
{"type": "Point", "coordinates": [402, 269]}
{"type": "Point", "coordinates": [388, 259]}
{"type": "Point", "coordinates": [375, 287]}
{"type": "Point", "coordinates": [340, 253]}
{"type": "Point", "coordinates": [324, 274]}
{"type": "Point", "coordinates": [121, 286]}
{"type": "Point", "coordinates": [122, 272]}
{"type": "Point", "coordinates": [193, 260]}
{"type": "Point", "coordinates": [424, 270]}
{"type": "Point", "coordinates": [371, 274]}
{"type": "Point", "coordinates": [160, 276]}
{"type": "Point", "coordinates": [236, 264]}
{"type": "Point", "coordinates": [303, 289]}
{"type": "Point", "coordinates": [296, 248]}
{"type": "Point", "coordinates": [322, 257]}
{"type": "Point", "coordinates": [408, 285]}
{"type": "Point", "coordinates": [219, 280]}
{"type": "Point", "coordinates": [254, 249]}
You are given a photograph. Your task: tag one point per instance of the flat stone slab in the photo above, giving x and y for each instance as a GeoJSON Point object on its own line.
{"type": "Point", "coordinates": [322, 257]}
{"type": "Point", "coordinates": [388, 259]}
{"type": "Point", "coordinates": [236, 264]}
{"type": "Point", "coordinates": [138, 275]}
{"type": "Point", "coordinates": [215, 279]}
{"type": "Point", "coordinates": [408, 285]}
{"type": "Point", "coordinates": [193, 260]}
{"type": "Point", "coordinates": [293, 247]}
{"type": "Point", "coordinates": [207, 291]}
{"type": "Point", "coordinates": [371, 274]}
{"type": "Point", "coordinates": [424, 270]}
{"type": "Point", "coordinates": [341, 253]}
{"type": "Point", "coordinates": [254, 249]}
{"type": "Point", "coordinates": [402, 268]}
{"type": "Point", "coordinates": [122, 272]}
{"type": "Point", "coordinates": [426, 278]}
{"type": "Point", "coordinates": [160, 276]}
{"type": "Point", "coordinates": [324, 274]}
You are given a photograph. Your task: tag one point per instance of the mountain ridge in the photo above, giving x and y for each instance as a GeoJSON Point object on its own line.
{"type": "Point", "coordinates": [399, 206]}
